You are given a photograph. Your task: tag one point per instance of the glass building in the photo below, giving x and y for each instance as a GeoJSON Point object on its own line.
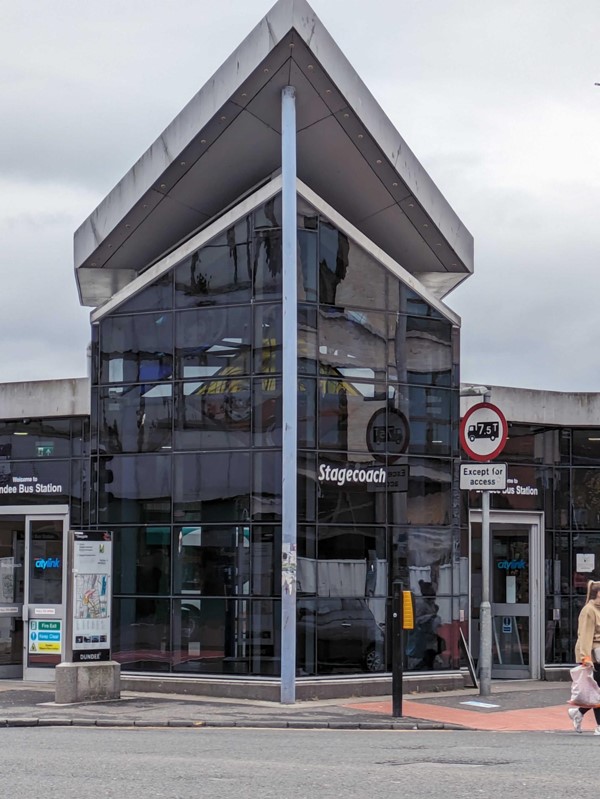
{"type": "Point", "coordinates": [274, 381]}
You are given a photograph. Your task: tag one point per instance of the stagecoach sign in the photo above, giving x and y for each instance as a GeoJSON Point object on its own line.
{"type": "Point", "coordinates": [483, 431]}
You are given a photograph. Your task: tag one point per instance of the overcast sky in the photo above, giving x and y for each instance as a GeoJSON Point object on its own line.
{"type": "Point", "coordinates": [495, 97]}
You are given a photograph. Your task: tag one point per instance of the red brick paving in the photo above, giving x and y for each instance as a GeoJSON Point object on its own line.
{"type": "Point", "coordinates": [528, 719]}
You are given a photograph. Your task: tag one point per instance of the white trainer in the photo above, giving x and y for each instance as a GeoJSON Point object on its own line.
{"type": "Point", "coordinates": [577, 718]}
{"type": "Point", "coordinates": [597, 731]}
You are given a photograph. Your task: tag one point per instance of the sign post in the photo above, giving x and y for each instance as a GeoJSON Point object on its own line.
{"type": "Point", "coordinates": [483, 434]}
{"type": "Point", "coordinates": [88, 673]}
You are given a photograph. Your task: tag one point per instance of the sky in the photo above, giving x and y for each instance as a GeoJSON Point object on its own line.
{"type": "Point", "coordinates": [496, 98]}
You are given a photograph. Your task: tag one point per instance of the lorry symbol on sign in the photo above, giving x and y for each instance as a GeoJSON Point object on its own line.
{"type": "Point", "coordinates": [489, 430]}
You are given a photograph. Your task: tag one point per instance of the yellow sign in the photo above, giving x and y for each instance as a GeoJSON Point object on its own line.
{"type": "Point", "coordinates": [408, 614]}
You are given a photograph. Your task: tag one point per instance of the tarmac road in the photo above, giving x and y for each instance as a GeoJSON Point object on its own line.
{"type": "Point", "coordinates": [68, 762]}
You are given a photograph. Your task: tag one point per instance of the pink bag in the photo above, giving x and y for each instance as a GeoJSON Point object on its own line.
{"type": "Point", "coordinates": [585, 691]}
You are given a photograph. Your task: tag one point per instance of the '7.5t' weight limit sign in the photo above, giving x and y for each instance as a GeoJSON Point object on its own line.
{"type": "Point", "coordinates": [483, 432]}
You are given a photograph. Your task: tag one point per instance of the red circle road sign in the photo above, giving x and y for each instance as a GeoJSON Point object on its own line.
{"type": "Point", "coordinates": [483, 431]}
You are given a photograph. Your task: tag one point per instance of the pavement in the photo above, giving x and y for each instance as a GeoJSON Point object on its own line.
{"type": "Point", "coordinates": [522, 705]}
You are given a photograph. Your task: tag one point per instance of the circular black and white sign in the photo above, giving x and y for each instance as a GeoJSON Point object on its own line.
{"type": "Point", "coordinates": [388, 434]}
{"type": "Point", "coordinates": [483, 431]}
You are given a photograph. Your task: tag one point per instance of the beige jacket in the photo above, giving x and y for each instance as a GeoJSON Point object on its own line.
{"type": "Point", "coordinates": [588, 631]}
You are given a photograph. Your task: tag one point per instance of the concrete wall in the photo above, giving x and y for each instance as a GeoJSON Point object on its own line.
{"type": "Point", "coordinates": [567, 409]}
{"type": "Point", "coordinates": [45, 398]}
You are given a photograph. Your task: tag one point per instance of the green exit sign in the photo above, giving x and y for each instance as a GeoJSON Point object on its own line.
{"type": "Point", "coordinates": [44, 448]}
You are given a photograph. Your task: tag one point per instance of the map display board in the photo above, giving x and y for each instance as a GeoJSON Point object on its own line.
{"type": "Point", "coordinates": [91, 598]}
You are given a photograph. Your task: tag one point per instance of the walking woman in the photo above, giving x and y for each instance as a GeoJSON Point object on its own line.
{"type": "Point", "coordinates": [587, 649]}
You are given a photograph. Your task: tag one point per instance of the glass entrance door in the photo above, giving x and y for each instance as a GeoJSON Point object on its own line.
{"type": "Point", "coordinates": [32, 595]}
{"type": "Point", "coordinates": [12, 588]}
{"type": "Point", "coordinates": [43, 616]}
{"type": "Point", "coordinates": [510, 598]}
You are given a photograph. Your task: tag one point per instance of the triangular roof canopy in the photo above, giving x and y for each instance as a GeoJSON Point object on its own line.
{"type": "Point", "coordinates": [226, 142]}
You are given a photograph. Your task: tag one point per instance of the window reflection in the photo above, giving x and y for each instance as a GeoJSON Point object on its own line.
{"type": "Point", "coordinates": [212, 560]}
{"type": "Point", "coordinates": [136, 349]}
{"type": "Point", "coordinates": [142, 558]}
{"type": "Point", "coordinates": [219, 272]}
{"type": "Point", "coordinates": [212, 487]}
{"type": "Point", "coordinates": [213, 414]}
{"type": "Point", "coordinates": [135, 418]}
{"type": "Point", "coordinates": [213, 342]}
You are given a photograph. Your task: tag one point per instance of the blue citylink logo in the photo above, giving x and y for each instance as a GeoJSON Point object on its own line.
{"type": "Point", "coordinates": [47, 563]}
{"type": "Point", "coordinates": [512, 564]}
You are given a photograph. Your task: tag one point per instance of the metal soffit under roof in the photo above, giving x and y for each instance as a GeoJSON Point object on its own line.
{"type": "Point", "coordinates": [226, 141]}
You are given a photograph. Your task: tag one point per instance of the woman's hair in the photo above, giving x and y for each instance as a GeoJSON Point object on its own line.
{"type": "Point", "coordinates": [593, 589]}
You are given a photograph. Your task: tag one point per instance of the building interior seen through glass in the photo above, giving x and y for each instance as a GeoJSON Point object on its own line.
{"type": "Point", "coordinates": [186, 431]}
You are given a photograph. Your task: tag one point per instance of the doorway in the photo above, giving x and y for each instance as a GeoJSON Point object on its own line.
{"type": "Point", "coordinates": [32, 591]}
{"type": "Point", "coordinates": [516, 590]}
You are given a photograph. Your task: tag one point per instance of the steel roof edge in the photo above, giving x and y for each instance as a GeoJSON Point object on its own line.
{"type": "Point", "coordinates": [284, 16]}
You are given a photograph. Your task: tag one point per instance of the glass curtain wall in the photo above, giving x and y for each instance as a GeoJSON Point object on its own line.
{"type": "Point", "coordinates": [557, 471]}
{"type": "Point", "coordinates": [186, 431]}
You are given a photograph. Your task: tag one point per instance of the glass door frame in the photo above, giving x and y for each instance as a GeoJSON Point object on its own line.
{"type": "Point", "coordinates": [534, 521]}
{"type": "Point", "coordinates": [31, 513]}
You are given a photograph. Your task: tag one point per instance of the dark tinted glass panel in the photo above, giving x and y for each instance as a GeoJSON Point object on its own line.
{"type": "Point", "coordinates": [348, 276]}
{"type": "Point", "coordinates": [213, 414]}
{"type": "Point", "coordinates": [586, 446]}
{"type": "Point", "coordinates": [142, 560]}
{"type": "Point", "coordinates": [421, 350]}
{"type": "Point", "coordinates": [266, 561]}
{"type": "Point", "coordinates": [307, 340]}
{"type": "Point", "coordinates": [565, 446]}
{"type": "Point", "coordinates": [136, 349]}
{"type": "Point", "coordinates": [36, 438]}
{"type": "Point", "coordinates": [419, 420]}
{"type": "Point", "coordinates": [267, 264]}
{"type": "Point", "coordinates": [268, 215]}
{"type": "Point", "coordinates": [219, 272]}
{"type": "Point", "coordinates": [307, 486]}
{"type": "Point", "coordinates": [586, 498]}
{"type": "Point", "coordinates": [402, 299]}
{"type": "Point", "coordinates": [352, 343]}
{"type": "Point", "coordinates": [562, 498]}
{"type": "Point", "coordinates": [352, 562]}
{"type": "Point", "coordinates": [340, 635]}
{"type": "Point", "coordinates": [266, 486]}
{"type": "Point", "coordinates": [267, 411]}
{"type": "Point", "coordinates": [531, 445]}
{"type": "Point", "coordinates": [307, 553]}
{"type": "Point", "coordinates": [226, 636]}
{"type": "Point", "coordinates": [428, 499]}
{"type": "Point", "coordinates": [351, 491]}
{"type": "Point", "coordinates": [141, 634]}
{"type": "Point", "coordinates": [213, 342]}
{"type": "Point", "coordinates": [307, 274]}
{"type": "Point", "coordinates": [267, 339]}
{"type": "Point", "coordinates": [212, 560]}
{"type": "Point", "coordinates": [34, 482]}
{"type": "Point", "coordinates": [307, 412]}
{"type": "Point", "coordinates": [527, 488]}
{"type": "Point", "coordinates": [345, 409]}
{"type": "Point", "coordinates": [212, 487]}
{"type": "Point", "coordinates": [45, 581]}
{"type": "Point", "coordinates": [156, 297]}
{"type": "Point", "coordinates": [135, 418]}
{"type": "Point", "coordinates": [134, 489]}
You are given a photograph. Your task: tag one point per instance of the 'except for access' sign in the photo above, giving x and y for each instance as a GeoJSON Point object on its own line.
{"type": "Point", "coordinates": [483, 476]}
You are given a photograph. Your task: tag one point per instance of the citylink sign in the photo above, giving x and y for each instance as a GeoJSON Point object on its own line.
{"type": "Point", "coordinates": [47, 563]}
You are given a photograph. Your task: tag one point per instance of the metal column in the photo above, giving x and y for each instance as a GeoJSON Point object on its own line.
{"type": "Point", "coordinates": [290, 399]}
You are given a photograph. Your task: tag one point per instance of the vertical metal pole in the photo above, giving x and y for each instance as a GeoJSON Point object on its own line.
{"type": "Point", "coordinates": [485, 610]}
{"type": "Point", "coordinates": [290, 397]}
{"type": "Point", "coordinates": [397, 648]}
